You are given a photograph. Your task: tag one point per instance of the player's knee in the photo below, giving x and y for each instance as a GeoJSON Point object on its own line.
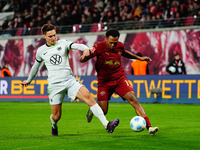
{"type": "Point", "coordinates": [57, 116]}
{"type": "Point", "coordinates": [90, 100]}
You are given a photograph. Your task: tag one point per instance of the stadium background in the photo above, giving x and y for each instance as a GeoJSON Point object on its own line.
{"type": "Point", "coordinates": [159, 39]}
{"type": "Point", "coordinates": [156, 28]}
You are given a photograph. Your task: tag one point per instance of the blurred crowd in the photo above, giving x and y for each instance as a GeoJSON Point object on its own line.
{"type": "Point", "coordinates": [130, 14]}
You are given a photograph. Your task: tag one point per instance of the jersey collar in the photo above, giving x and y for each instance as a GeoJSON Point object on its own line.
{"type": "Point", "coordinates": [52, 45]}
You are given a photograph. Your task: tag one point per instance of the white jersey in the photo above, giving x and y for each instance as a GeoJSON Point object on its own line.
{"type": "Point", "coordinates": [56, 60]}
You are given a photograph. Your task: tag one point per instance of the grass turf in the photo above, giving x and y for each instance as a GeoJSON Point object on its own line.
{"type": "Point", "coordinates": [26, 126]}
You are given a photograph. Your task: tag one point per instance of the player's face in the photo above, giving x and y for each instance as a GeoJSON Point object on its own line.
{"type": "Point", "coordinates": [112, 42]}
{"type": "Point", "coordinates": [50, 37]}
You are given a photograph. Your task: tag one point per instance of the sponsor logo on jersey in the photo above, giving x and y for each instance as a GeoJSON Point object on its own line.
{"type": "Point", "coordinates": [59, 48]}
{"type": "Point", "coordinates": [112, 62]}
{"type": "Point", "coordinates": [56, 59]}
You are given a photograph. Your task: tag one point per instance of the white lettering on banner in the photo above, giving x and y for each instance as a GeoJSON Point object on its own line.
{"type": "Point", "coordinates": [3, 87]}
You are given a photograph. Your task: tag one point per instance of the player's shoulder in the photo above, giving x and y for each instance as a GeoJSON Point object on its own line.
{"type": "Point", "coordinates": [120, 44]}
{"type": "Point", "coordinates": [100, 44]}
{"type": "Point", "coordinates": [42, 48]}
{"type": "Point", "coordinates": [64, 41]}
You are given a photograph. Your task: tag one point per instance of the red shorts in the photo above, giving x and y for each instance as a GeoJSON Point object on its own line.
{"type": "Point", "coordinates": [107, 88]}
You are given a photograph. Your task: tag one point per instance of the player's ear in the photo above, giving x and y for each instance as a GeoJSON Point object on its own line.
{"type": "Point", "coordinates": [106, 39]}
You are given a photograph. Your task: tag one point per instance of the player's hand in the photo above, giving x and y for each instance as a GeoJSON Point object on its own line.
{"type": "Point", "coordinates": [86, 53]}
{"type": "Point", "coordinates": [145, 58]}
{"type": "Point", "coordinates": [24, 83]}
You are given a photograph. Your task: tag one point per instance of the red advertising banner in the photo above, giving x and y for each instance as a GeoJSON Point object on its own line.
{"type": "Point", "coordinates": [160, 46]}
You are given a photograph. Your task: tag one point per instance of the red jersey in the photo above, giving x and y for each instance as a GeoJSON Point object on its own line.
{"type": "Point", "coordinates": [108, 63]}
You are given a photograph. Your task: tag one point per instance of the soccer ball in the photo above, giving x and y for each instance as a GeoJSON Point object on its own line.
{"type": "Point", "coordinates": [138, 123]}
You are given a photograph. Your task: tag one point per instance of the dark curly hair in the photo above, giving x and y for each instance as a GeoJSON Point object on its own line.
{"type": "Point", "coordinates": [113, 33]}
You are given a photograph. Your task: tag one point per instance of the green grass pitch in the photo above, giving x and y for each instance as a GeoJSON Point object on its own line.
{"type": "Point", "coordinates": [26, 126]}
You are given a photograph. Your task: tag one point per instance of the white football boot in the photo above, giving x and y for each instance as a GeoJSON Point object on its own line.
{"type": "Point", "coordinates": [153, 130]}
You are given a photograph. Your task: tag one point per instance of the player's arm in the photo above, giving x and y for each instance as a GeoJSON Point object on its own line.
{"type": "Point", "coordinates": [76, 46]}
{"type": "Point", "coordinates": [130, 55]}
{"type": "Point", "coordinates": [85, 58]}
{"type": "Point", "coordinates": [86, 51]}
{"type": "Point", "coordinates": [32, 74]}
{"type": "Point", "coordinates": [87, 55]}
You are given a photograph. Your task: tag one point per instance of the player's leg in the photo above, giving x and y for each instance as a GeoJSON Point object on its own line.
{"type": "Point", "coordinates": [124, 89]}
{"type": "Point", "coordinates": [56, 107]}
{"type": "Point", "coordinates": [105, 91]}
{"type": "Point", "coordinates": [103, 95]}
{"type": "Point", "coordinates": [84, 95]}
{"type": "Point", "coordinates": [104, 106]}
{"type": "Point", "coordinates": [130, 96]}
{"type": "Point", "coordinates": [55, 117]}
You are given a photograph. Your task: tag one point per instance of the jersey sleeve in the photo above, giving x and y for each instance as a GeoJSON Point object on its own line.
{"type": "Point", "coordinates": [68, 44]}
{"type": "Point", "coordinates": [96, 49]}
{"type": "Point", "coordinates": [81, 47]}
{"type": "Point", "coordinates": [75, 46]}
{"type": "Point", "coordinates": [34, 71]}
{"type": "Point", "coordinates": [35, 67]}
{"type": "Point", "coordinates": [38, 56]}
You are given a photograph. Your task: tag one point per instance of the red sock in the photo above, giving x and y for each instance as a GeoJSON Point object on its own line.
{"type": "Point", "coordinates": [148, 122]}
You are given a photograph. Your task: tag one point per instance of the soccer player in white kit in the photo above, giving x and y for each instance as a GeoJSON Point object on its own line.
{"type": "Point", "coordinates": [60, 78]}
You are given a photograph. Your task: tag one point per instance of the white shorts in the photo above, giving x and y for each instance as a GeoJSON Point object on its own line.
{"type": "Point", "coordinates": [57, 91]}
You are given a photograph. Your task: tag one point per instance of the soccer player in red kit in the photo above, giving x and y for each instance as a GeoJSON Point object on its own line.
{"type": "Point", "coordinates": [111, 76]}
